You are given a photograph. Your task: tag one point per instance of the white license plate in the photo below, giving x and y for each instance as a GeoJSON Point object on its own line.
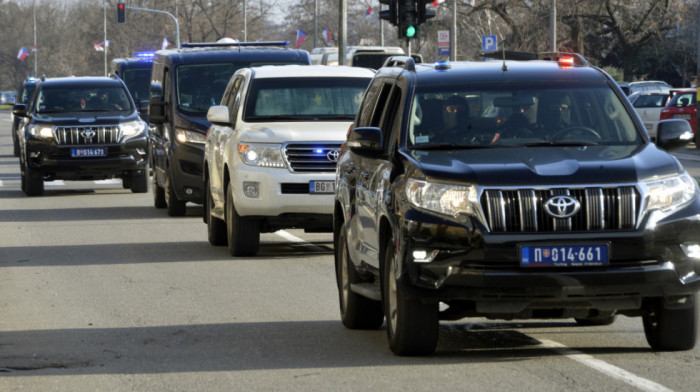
{"type": "Point", "coordinates": [564, 255]}
{"type": "Point", "coordinates": [321, 186]}
{"type": "Point", "coordinates": [88, 152]}
{"type": "Point", "coordinates": [682, 116]}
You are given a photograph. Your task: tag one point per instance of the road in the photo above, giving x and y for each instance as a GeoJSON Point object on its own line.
{"type": "Point", "coordinates": [99, 291]}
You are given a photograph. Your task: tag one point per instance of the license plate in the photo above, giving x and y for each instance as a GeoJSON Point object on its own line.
{"type": "Point", "coordinates": [322, 187]}
{"type": "Point", "coordinates": [88, 152]}
{"type": "Point", "coordinates": [564, 255]}
{"type": "Point", "coordinates": [682, 116]}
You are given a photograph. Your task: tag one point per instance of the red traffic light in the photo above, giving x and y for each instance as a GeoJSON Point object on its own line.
{"type": "Point", "coordinates": [121, 13]}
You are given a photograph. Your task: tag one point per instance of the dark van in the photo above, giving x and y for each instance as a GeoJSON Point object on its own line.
{"type": "Point", "coordinates": [185, 82]}
{"type": "Point", "coordinates": [136, 73]}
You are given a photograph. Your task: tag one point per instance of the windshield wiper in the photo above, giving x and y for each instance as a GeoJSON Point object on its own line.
{"type": "Point", "coordinates": [450, 146]}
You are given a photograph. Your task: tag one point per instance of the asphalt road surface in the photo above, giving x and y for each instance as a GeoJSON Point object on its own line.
{"type": "Point", "coordinates": [100, 291]}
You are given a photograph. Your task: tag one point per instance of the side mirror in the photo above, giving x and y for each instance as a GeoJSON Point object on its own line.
{"type": "Point", "coordinates": [19, 110]}
{"type": "Point", "coordinates": [156, 111]}
{"type": "Point", "coordinates": [673, 134]}
{"type": "Point", "coordinates": [143, 106]}
{"type": "Point", "coordinates": [218, 114]}
{"type": "Point", "coordinates": [365, 140]}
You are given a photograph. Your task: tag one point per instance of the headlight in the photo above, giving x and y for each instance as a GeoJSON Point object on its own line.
{"type": "Point", "coordinates": [187, 136]}
{"type": "Point", "coordinates": [445, 199]}
{"type": "Point", "coordinates": [670, 193]}
{"type": "Point", "coordinates": [266, 155]}
{"type": "Point", "coordinates": [132, 128]}
{"type": "Point", "coordinates": [40, 131]}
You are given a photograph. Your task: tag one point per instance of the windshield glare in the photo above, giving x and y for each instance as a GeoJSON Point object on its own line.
{"type": "Point", "coordinates": [301, 99]}
{"type": "Point", "coordinates": [79, 99]}
{"type": "Point", "coordinates": [520, 114]}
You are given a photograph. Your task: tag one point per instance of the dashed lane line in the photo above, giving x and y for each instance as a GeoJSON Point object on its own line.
{"type": "Point", "coordinates": [603, 367]}
{"type": "Point", "coordinates": [291, 237]}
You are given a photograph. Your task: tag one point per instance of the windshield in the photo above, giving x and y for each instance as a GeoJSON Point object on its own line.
{"type": "Point", "coordinates": [568, 113]}
{"type": "Point", "coordinates": [682, 100]}
{"type": "Point", "coordinates": [200, 86]}
{"type": "Point", "coordinates": [651, 101]}
{"type": "Point", "coordinates": [302, 99]}
{"type": "Point", "coordinates": [83, 99]}
{"type": "Point", "coordinates": [137, 80]}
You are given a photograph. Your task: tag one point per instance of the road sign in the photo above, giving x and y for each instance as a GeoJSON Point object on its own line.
{"type": "Point", "coordinates": [489, 43]}
{"type": "Point", "coordinates": [443, 42]}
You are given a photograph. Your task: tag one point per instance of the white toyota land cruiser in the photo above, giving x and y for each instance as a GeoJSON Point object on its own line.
{"type": "Point", "coordinates": [271, 152]}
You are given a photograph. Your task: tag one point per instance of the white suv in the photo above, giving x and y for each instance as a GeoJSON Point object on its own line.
{"type": "Point", "coordinates": [271, 152]}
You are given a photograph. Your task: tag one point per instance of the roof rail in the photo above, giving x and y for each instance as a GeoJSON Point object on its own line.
{"type": "Point", "coordinates": [232, 44]}
{"type": "Point", "coordinates": [405, 62]}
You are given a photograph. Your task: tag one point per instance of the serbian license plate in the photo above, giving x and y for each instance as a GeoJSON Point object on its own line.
{"type": "Point", "coordinates": [682, 116]}
{"type": "Point", "coordinates": [564, 255]}
{"type": "Point", "coordinates": [88, 152]}
{"type": "Point", "coordinates": [321, 186]}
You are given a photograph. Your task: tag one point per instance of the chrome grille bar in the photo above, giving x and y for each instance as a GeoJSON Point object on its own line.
{"type": "Point", "coordinates": [87, 135]}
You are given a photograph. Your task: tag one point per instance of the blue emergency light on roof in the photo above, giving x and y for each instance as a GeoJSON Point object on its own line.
{"type": "Point", "coordinates": [442, 65]}
{"type": "Point", "coordinates": [145, 55]}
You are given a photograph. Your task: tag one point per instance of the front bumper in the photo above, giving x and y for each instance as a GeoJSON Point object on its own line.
{"type": "Point", "coordinates": [55, 162]}
{"type": "Point", "coordinates": [484, 269]}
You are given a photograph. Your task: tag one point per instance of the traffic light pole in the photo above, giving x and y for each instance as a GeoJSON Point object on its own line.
{"type": "Point", "coordinates": [177, 25]}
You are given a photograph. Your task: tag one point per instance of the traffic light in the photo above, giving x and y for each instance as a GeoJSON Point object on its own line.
{"type": "Point", "coordinates": [408, 19]}
{"type": "Point", "coordinates": [121, 13]}
{"type": "Point", "coordinates": [423, 12]}
{"type": "Point", "coordinates": [392, 14]}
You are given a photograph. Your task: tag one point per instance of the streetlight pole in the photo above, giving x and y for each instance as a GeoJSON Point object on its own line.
{"type": "Point", "coordinates": [553, 26]}
{"type": "Point", "coordinates": [104, 14]}
{"type": "Point", "coordinates": [36, 51]}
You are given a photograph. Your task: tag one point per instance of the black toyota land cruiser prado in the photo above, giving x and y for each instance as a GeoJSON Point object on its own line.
{"type": "Point", "coordinates": [512, 190]}
{"type": "Point", "coordinates": [81, 128]}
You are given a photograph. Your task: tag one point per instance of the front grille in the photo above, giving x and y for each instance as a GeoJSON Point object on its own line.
{"type": "Point", "coordinates": [87, 135]}
{"type": "Point", "coordinates": [523, 210]}
{"type": "Point", "coordinates": [312, 157]}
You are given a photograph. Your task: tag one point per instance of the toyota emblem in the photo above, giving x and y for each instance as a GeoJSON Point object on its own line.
{"type": "Point", "coordinates": [562, 206]}
{"type": "Point", "coordinates": [87, 133]}
{"type": "Point", "coordinates": [333, 155]}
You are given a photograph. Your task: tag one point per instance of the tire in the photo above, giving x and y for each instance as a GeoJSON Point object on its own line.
{"type": "Point", "coordinates": [139, 181]}
{"type": "Point", "coordinates": [216, 228]}
{"type": "Point", "coordinates": [595, 321]}
{"type": "Point", "coordinates": [175, 206]}
{"type": "Point", "coordinates": [669, 329]}
{"type": "Point", "coordinates": [412, 326]}
{"type": "Point", "coordinates": [243, 234]}
{"type": "Point", "coordinates": [32, 182]}
{"type": "Point", "coordinates": [158, 193]}
{"type": "Point", "coordinates": [356, 311]}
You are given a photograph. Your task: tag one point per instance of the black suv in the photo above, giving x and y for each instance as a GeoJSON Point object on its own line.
{"type": "Point", "coordinates": [508, 190]}
{"type": "Point", "coordinates": [82, 128]}
{"type": "Point", "coordinates": [24, 94]}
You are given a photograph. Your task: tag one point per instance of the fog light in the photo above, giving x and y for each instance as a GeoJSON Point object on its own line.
{"type": "Point", "coordinates": [34, 154]}
{"type": "Point", "coordinates": [424, 256]}
{"type": "Point", "coordinates": [189, 191]}
{"type": "Point", "coordinates": [251, 190]}
{"type": "Point", "coordinates": [691, 250]}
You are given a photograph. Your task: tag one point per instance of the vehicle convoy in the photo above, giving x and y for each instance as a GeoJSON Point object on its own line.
{"type": "Point", "coordinates": [81, 128]}
{"type": "Point", "coordinates": [512, 190]}
{"type": "Point", "coordinates": [270, 154]}
{"type": "Point", "coordinates": [185, 83]}
{"type": "Point", "coordinates": [24, 94]}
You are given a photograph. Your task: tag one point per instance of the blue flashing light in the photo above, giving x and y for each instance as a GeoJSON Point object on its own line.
{"type": "Point", "coordinates": [145, 55]}
{"type": "Point", "coordinates": [318, 150]}
{"type": "Point", "coordinates": [442, 65]}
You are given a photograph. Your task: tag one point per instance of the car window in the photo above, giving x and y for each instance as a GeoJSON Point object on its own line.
{"type": "Point", "coordinates": [83, 99]}
{"type": "Point", "coordinates": [651, 101]}
{"type": "Point", "coordinates": [682, 100]}
{"type": "Point", "coordinates": [305, 98]}
{"type": "Point", "coordinates": [520, 113]}
{"type": "Point", "coordinates": [137, 81]}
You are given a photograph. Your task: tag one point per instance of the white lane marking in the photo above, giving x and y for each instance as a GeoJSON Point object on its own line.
{"type": "Point", "coordinates": [289, 236]}
{"type": "Point", "coordinates": [1, 184]}
{"type": "Point", "coordinates": [610, 370]}
{"type": "Point", "coordinates": [108, 182]}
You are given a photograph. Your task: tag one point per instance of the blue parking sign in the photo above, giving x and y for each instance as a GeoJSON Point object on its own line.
{"type": "Point", "coordinates": [489, 43]}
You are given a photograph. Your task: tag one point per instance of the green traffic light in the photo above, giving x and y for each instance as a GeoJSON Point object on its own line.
{"type": "Point", "coordinates": [410, 31]}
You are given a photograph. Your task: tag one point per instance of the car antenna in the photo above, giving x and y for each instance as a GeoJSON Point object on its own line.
{"type": "Point", "coordinates": [504, 68]}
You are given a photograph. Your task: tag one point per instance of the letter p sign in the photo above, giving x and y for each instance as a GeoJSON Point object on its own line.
{"type": "Point", "coordinates": [489, 43]}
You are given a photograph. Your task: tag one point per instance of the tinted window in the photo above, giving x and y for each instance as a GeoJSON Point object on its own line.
{"type": "Point", "coordinates": [520, 113]}
{"type": "Point", "coordinates": [137, 81]}
{"type": "Point", "coordinates": [83, 99]}
{"type": "Point", "coordinates": [27, 92]}
{"type": "Point", "coordinates": [200, 86]}
{"type": "Point", "coordinates": [651, 101]}
{"type": "Point", "coordinates": [305, 98]}
{"type": "Point", "coordinates": [682, 100]}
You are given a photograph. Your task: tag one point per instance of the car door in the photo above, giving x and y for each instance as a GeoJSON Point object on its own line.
{"type": "Point", "coordinates": [371, 176]}
{"type": "Point", "coordinates": [161, 136]}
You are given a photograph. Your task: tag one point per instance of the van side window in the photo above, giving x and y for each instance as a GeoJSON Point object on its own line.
{"type": "Point", "coordinates": [381, 103]}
